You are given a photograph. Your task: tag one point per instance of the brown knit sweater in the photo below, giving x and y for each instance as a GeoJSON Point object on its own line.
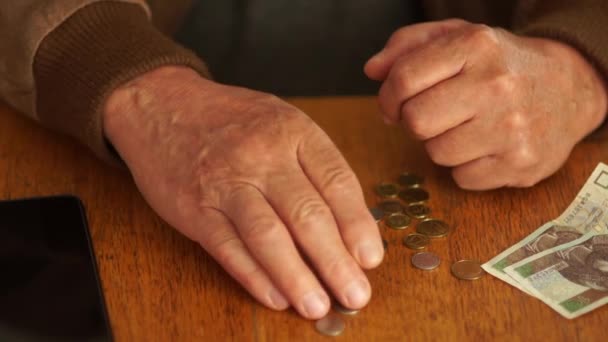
{"type": "Point", "coordinates": [73, 53]}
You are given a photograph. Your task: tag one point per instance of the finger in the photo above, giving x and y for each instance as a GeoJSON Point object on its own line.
{"type": "Point", "coordinates": [330, 174]}
{"type": "Point", "coordinates": [224, 244]}
{"type": "Point", "coordinates": [445, 106]}
{"type": "Point", "coordinates": [270, 243]}
{"type": "Point", "coordinates": [419, 70]}
{"type": "Point", "coordinates": [472, 140]}
{"type": "Point", "coordinates": [481, 174]}
{"type": "Point", "coordinates": [314, 228]}
{"type": "Point", "coordinates": [405, 40]}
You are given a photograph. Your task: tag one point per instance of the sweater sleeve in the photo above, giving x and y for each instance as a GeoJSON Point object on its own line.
{"type": "Point", "coordinates": [581, 24]}
{"type": "Point", "coordinates": [92, 52]}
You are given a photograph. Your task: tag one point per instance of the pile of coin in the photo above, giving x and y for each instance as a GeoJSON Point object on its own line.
{"type": "Point", "coordinates": [405, 201]}
{"type": "Point", "coordinates": [399, 205]}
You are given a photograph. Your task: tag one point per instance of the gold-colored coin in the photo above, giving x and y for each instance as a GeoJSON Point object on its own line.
{"type": "Point", "coordinates": [330, 325]}
{"type": "Point", "coordinates": [467, 270]}
{"type": "Point", "coordinates": [414, 195]}
{"type": "Point", "coordinates": [398, 221]}
{"type": "Point", "coordinates": [390, 207]}
{"type": "Point", "coordinates": [410, 180]}
{"type": "Point", "coordinates": [432, 228]}
{"type": "Point", "coordinates": [416, 241]}
{"type": "Point", "coordinates": [418, 210]}
{"type": "Point", "coordinates": [387, 190]}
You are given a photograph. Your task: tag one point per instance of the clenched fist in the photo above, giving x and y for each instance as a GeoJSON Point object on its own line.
{"type": "Point", "coordinates": [253, 180]}
{"type": "Point", "coordinates": [501, 109]}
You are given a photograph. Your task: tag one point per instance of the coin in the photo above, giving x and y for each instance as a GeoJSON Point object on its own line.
{"type": "Point", "coordinates": [467, 270]}
{"type": "Point", "coordinates": [344, 310]}
{"type": "Point", "coordinates": [414, 195]}
{"type": "Point", "coordinates": [330, 325]}
{"type": "Point", "coordinates": [426, 261]}
{"type": "Point", "coordinates": [418, 210]}
{"type": "Point", "coordinates": [387, 190]}
{"type": "Point", "coordinates": [377, 213]}
{"type": "Point", "coordinates": [416, 241]}
{"type": "Point", "coordinates": [398, 221]}
{"type": "Point", "coordinates": [390, 207]}
{"type": "Point", "coordinates": [432, 228]}
{"type": "Point", "coordinates": [385, 244]}
{"type": "Point", "coordinates": [410, 180]}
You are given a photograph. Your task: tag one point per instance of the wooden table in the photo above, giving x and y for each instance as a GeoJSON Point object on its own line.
{"type": "Point", "coordinates": [159, 286]}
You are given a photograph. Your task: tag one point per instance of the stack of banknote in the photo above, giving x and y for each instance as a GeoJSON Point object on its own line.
{"type": "Point", "coordinates": [564, 263]}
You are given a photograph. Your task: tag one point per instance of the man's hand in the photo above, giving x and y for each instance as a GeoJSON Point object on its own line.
{"type": "Point", "coordinates": [254, 181]}
{"type": "Point", "coordinates": [501, 109]}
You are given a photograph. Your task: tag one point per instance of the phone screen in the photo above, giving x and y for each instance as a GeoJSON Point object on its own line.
{"type": "Point", "coordinates": [49, 288]}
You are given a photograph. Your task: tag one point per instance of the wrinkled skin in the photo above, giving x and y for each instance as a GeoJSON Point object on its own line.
{"type": "Point", "coordinates": [253, 180]}
{"type": "Point", "coordinates": [500, 109]}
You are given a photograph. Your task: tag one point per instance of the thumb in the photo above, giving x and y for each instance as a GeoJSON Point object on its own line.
{"type": "Point", "coordinates": [405, 40]}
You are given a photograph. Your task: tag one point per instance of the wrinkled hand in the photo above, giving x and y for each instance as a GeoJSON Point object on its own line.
{"type": "Point", "coordinates": [254, 181]}
{"type": "Point", "coordinates": [501, 109]}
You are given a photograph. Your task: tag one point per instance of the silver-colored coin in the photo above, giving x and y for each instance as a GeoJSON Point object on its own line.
{"type": "Point", "coordinates": [330, 325]}
{"type": "Point", "coordinates": [426, 261]}
{"type": "Point", "coordinates": [344, 310]}
{"type": "Point", "coordinates": [377, 213]}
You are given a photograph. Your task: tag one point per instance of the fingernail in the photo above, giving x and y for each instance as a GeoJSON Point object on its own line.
{"type": "Point", "coordinates": [386, 120]}
{"type": "Point", "coordinates": [278, 301]}
{"type": "Point", "coordinates": [370, 254]}
{"type": "Point", "coordinates": [315, 305]}
{"type": "Point", "coordinates": [357, 294]}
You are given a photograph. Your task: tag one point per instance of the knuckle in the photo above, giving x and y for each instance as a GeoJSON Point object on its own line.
{"type": "Point", "coordinates": [401, 81]}
{"type": "Point", "coordinates": [397, 36]}
{"type": "Point", "coordinates": [504, 85]}
{"type": "Point", "coordinates": [307, 209]}
{"type": "Point", "coordinates": [484, 36]}
{"type": "Point", "coordinates": [225, 251]}
{"type": "Point", "coordinates": [338, 179]}
{"type": "Point", "coordinates": [436, 152]}
{"type": "Point", "coordinates": [524, 157]}
{"type": "Point", "coordinates": [517, 122]}
{"type": "Point", "coordinates": [415, 122]}
{"type": "Point", "coordinates": [462, 179]}
{"type": "Point", "coordinates": [261, 229]}
{"type": "Point", "coordinates": [341, 267]}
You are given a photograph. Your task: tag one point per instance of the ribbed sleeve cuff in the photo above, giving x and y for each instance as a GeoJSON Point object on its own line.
{"type": "Point", "coordinates": [98, 48]}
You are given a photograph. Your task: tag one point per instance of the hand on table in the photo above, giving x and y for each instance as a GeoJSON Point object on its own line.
{"type": "Point", "coordinates": [253, 180]}
{"type": "Point", "coordinates": [501, 109]}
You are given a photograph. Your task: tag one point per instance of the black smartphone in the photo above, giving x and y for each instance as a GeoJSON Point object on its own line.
{"type": "Point", "coordinates": [49, 286]}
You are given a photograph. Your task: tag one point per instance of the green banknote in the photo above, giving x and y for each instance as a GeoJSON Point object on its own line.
{"type": "Point", "coordinates": [571, 278]}
{"type": "Point", "coordinates": [588, 213]}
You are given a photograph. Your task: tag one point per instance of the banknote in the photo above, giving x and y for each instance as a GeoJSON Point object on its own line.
{"type": "Point", "coordinates": [571, 278]}
{"type": "Point", "coordinates": [588, 213]}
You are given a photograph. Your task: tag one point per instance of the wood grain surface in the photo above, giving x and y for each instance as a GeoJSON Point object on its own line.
{"type": "Point", "coordinates": [159, 286]}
